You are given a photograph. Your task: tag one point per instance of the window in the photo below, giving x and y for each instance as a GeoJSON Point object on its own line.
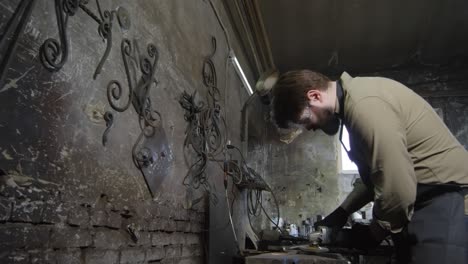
{"type": "Point", "coordinates": [346, 165]}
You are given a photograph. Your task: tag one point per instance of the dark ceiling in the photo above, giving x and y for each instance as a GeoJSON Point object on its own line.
{"type": "Point", "coordinates": [365, 35]}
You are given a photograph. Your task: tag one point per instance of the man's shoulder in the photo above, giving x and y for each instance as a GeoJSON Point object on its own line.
{"type": "Point", "coordinates": [360, 87]}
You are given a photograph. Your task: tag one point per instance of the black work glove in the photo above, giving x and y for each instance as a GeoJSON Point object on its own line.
{"type": "Point", "coordinates": [337, 219]}
{"type": "Point", "coordinates": [362, 238]}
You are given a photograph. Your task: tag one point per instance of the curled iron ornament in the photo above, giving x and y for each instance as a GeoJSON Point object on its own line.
{"type": "Point", "coordinates": [105, 31]}
{"type": "Point", "coordinates": [142, 102]}
{"type": "Point", "coordinates": [114, 88]}
{"type": "Point", "coordinates": [209, 70]}
{"type": "Point", "coordinates": [109, 118]}
{"type": "Point", "coordinates": [12, 32]}
{"type": "Point", "coordinates": [54, 54]}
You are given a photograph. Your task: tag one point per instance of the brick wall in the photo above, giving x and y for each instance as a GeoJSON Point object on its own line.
{"type": "Point", "coordinates": [37, 226]}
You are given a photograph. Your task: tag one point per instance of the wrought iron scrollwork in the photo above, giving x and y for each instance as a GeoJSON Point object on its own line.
{"type": "Point", "coordinates": [105, 31]}
{"type": "Point", "coordinates": [114, 88]}
{"type": "Point", "coordinates": [204, 131]}
{"type": "Point", "coordinates": [53, 53]}
{"type": "Point", "coordinates": [209, 70]}
{"type": "Point", "coordinates": [150, 152]}
{"type": "Point", "coordinates": [12, 32]}
{"type": "Point", "coordinates": [150, 119]}
{"type": "Point", "coordinates": [141, 100]}
{"type": "Point", "coordinates": [109, 118]}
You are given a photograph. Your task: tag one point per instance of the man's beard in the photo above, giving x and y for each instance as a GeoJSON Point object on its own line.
{"type": "Point", "coordinates": [331, 124]}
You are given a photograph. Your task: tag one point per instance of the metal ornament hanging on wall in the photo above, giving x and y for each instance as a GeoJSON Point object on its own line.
{"type": "Point", "coordinates": [54, 54]}
{"type": "Point", "coordinates": [13, 30]}
{"type": "Point", "coordinates": [205, 128]}
{"type": "Point", "coordinates": [151, 152]}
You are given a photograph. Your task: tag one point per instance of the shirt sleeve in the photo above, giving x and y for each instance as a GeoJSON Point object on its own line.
{"type": "Point", "coordinates": [357, 198]}
{"type": "Point", "coordinates": [380, 132]}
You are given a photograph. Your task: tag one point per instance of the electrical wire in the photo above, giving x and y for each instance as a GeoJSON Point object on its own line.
{"type": "Point", "coordinates": [254, 195]}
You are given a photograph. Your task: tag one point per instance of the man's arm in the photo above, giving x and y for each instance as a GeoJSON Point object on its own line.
{"type": "Point", "coordinates": [357, 198]}
{"type": "Point", "coordinates": [380, 131]}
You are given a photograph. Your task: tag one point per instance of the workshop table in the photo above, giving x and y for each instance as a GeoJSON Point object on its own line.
{"type": "Point", "coordinates": [288, 258]}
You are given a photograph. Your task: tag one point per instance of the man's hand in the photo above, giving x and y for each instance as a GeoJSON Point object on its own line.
{"type": "Point", "coordinates": [363, 238]}
{"type": "Point", "coordinates": [337, 219]}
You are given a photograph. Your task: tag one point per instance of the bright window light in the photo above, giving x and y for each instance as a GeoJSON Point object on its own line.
{"type": "Point", "coordinates": [347, 166]}
{"type": "Point", "coordinates": [240, 73]}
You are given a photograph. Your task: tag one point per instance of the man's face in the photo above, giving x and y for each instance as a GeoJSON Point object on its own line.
{"type": "Point", "coordinates": [320, 117]}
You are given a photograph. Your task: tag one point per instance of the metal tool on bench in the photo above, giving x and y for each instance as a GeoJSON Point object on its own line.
{"type": "Point", "coordinates": [322, 235]}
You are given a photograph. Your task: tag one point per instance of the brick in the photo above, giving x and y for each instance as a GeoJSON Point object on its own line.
{"type": "Point", "coordinates": [155, 254]}
{"type": "Point", "coordinates": [200, 217]}
{"type": "Point", "coordinates": [160, 239]}
{"type": "Point", "coordinates": [163, 224]}
{"type": "Point", "coordinates": [142, 224]}
{"type": "Point", "coordinates": [164, 211]}
{"type": "Point", "coordinates": [192, 215]}
{"type": "Point", "coordinates": [181, 215]}
{"type": "Point", "coordinates": [110, 239]}
{"type": "Point", "coordinates": [114, 220]}
{"type": "Point", "coordinates": [144, 239]}
{"type": "Point", "coordinates": [177, 238]}
{"type": "Point", "coordinates": [192, 239]}
{"type": "Point", "coordinates": [198, 250]}
{"type": "Point", "coordinates": [157, 224]}
{"type": "Point", "coordinates": [191, 250]}
{"type": "Point", "coordinates": [133, 255]}
{"type": "Point", "coordinates": [5, 209]}
{"type": "Point", "coordinates": [196, 228]}
{"type": "Point", "coordinates": [169, 261]}
{"type": "Point", "coordinates": [23, 236]}
{"type": "Point", "coordinates": [16, 257]}
{"type": "Point", "coordinates": [69, 256]}
{"type": "Point", "coordinates": [69, 237]}
{"type": "Point", "coordinates": [27, 211]}
{"type": "Point", "coordinates": [191, 260]}
{"type": "Point", "coordinates": [97, 256]}
{"type": "Point", "coordinates": [108, 219]}
{"type": "Point", "coordinates": [54, 212]}
{"type": "Point", "coordinates": [170, 226]}
{"type": "Point", "coordinates": [182, 226]}
{"type": "Point", "coordinates": [78, 216]}
{"type": "Point", "coordinates": [172, 251]}
{"type": "Point", "coordinates": [99, 218]}
{"type": "Point", "coordinates": [187, 251]}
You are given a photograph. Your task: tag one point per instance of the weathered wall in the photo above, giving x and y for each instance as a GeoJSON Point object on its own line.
{"type": "Point", "coordinates": [68, 199]}
{"type": "Point", "coordinates": [302, 174]}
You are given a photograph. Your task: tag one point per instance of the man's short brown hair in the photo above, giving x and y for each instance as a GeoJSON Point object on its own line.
{"type": "Point", "coordinates": [290, 94]}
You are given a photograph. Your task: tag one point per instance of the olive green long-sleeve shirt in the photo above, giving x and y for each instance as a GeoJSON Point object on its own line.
{"type": "Point", "coordinates": [397, 141]}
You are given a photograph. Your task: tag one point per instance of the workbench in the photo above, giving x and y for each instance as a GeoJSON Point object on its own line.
{"type": "Point", "coordinates": [293, 258]}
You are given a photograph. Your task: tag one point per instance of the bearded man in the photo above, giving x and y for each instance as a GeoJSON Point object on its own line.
{"type": "Point", "coordinates": [410, 165]}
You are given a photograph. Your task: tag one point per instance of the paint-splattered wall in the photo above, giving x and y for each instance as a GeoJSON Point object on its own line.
{"type": "Point", "coordinates": [66, 197]}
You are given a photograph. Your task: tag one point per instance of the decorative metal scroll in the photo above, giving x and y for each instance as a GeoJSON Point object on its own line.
{"type": "Point", "coordinates": [204, 130]}
{"type": "Point", "coordinates": [54, 54]}
{"type": "Point", "coordinates": [151, 153]}
{"type": "Point", "coordinates": [12, 32]}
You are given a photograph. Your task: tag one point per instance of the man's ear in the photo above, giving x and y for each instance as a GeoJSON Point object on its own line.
{"type": "Point", "coordinates": [314, 95]}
